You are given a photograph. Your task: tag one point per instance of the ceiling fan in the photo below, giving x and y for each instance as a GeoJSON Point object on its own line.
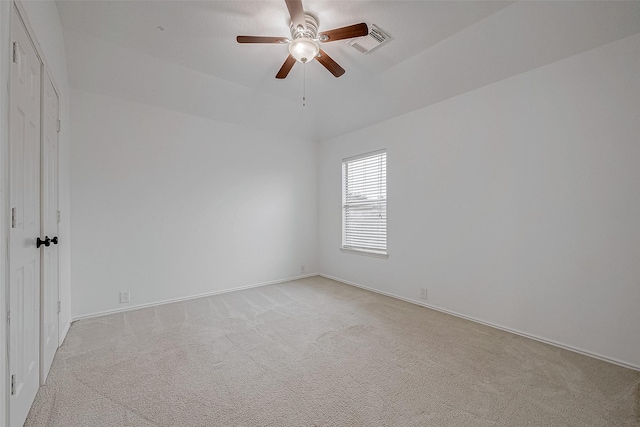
{"type": "Point", "coordinates": [304, 44]}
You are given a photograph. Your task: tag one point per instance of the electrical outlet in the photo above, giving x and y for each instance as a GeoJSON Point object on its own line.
{"type": "Point", "coordinates": [125, 296]}
{"type": "Point", "coordinates": [302, 268]}
{"type": "Point", "coordinates": [423, 293]}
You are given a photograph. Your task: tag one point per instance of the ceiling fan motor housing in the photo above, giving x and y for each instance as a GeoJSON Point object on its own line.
{"type": "Point", "coordinates": [310, 32]}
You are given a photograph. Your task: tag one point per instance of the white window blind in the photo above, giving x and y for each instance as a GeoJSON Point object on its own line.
{"type": "Point", "coordinates": [364, 202]}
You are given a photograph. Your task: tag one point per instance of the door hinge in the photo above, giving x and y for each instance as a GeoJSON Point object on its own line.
{"type": "Point", "coordinates": [13, 384]}
{"type": "Point", "coordinates": [59, 125]}
{"type": "Point", "coordinates": [59, 307]}
{"type": "Point", "coordinates": [16, 54]}
{"type": "Point", "coordinates": [13, 217]}
{"type": "Point", "coordinates": [8, 317]}
{"type": "Point", "coordinates": [58, 216]}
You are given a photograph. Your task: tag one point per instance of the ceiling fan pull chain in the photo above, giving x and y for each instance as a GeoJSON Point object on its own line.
{"type": "Point", "coordinates": [304, 84]}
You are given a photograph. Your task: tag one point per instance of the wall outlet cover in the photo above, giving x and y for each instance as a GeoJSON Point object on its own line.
{"type": "Point", "coordinates": [125, 296]}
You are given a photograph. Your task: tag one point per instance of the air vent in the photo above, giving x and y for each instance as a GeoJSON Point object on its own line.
{"type": "Point", "coordinates": [374, 39]}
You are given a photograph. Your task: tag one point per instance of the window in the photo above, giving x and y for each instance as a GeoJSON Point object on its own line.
{"type": "Point", "coordinates": [364, 203]}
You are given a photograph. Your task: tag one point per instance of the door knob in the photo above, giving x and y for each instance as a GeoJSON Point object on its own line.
{"type": "Point", "coordinates": [45, 242]}
{"type": "Point", "coordinates": [54, 240]}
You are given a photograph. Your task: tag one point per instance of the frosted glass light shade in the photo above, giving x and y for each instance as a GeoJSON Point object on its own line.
{"type": "Point", "coordinates": [304, 49]}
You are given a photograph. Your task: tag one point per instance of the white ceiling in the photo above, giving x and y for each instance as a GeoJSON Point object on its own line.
{"type": "Point", "coordinates": [182, 55]}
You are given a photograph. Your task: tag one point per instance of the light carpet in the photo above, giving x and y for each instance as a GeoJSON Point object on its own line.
{"type": "Point", "coordinates": [316, 352]}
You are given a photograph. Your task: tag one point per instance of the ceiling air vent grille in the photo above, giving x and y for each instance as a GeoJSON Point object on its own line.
{"type": "Point", "coordinates": [374, 39]}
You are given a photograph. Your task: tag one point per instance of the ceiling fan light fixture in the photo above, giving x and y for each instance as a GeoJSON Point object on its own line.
{"type": "Point", "coordinates": [304, 49]}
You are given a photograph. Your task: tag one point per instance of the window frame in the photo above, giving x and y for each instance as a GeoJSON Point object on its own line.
{"type": "Point", "coordinates": [363, 250]}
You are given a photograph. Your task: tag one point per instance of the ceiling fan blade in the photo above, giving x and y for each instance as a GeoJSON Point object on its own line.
{"type": "Point", "coordinates": [349, 32]}
{"type": "Point", "coordinates": [297, 13]}
{"type": "Point", "coordinates": [261, 39]}
{"type": "Point", "coordinates": [330, 64]}
{"type": "Point", "coordinates": [286, 67]}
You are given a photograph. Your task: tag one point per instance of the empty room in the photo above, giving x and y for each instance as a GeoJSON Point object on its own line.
{"type": "Point", "coordinates": [319, 213]}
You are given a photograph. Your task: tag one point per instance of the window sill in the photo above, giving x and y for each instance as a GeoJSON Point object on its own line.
{"type": "Point", "coordinates": [365, 252]}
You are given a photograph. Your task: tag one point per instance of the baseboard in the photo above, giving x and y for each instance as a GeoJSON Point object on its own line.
{"type": "Point", "coordinates": [493, 325]}
{"type": "Point", "coordinates": [65, 331]}
{"type": "Point", "coordinates": [169, 301]}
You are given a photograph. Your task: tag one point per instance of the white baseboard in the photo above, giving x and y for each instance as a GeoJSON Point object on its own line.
{"type": "Point", "coordinates": [65, 331]}
{"type": "Point", "coordinates": [169, 301]}
{"type": "Point", "coordinates": [493, 325]}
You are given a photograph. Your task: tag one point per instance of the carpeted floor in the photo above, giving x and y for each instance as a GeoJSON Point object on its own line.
{"type": "Point", "coordinates": [316, 352]}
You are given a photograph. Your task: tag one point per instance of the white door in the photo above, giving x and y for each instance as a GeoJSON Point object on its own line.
{"type": "Point", "coordinates": [49, 284]}
{"type": "Point", "coordinates": [24, 199]}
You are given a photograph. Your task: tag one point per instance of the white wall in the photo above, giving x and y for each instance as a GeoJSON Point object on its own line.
{"type": "Point", "coordinates": [517, 204]}
{"type": "Point", "coordinates": [45, 24]}
{"type": "Point", "coordinates": [169, 205]}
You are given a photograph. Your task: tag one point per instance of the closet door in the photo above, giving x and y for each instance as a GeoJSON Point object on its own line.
{"type": "Point", "coordinates": [49, 285]}
{"type": "Point", "coordinates": [24, 202]}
